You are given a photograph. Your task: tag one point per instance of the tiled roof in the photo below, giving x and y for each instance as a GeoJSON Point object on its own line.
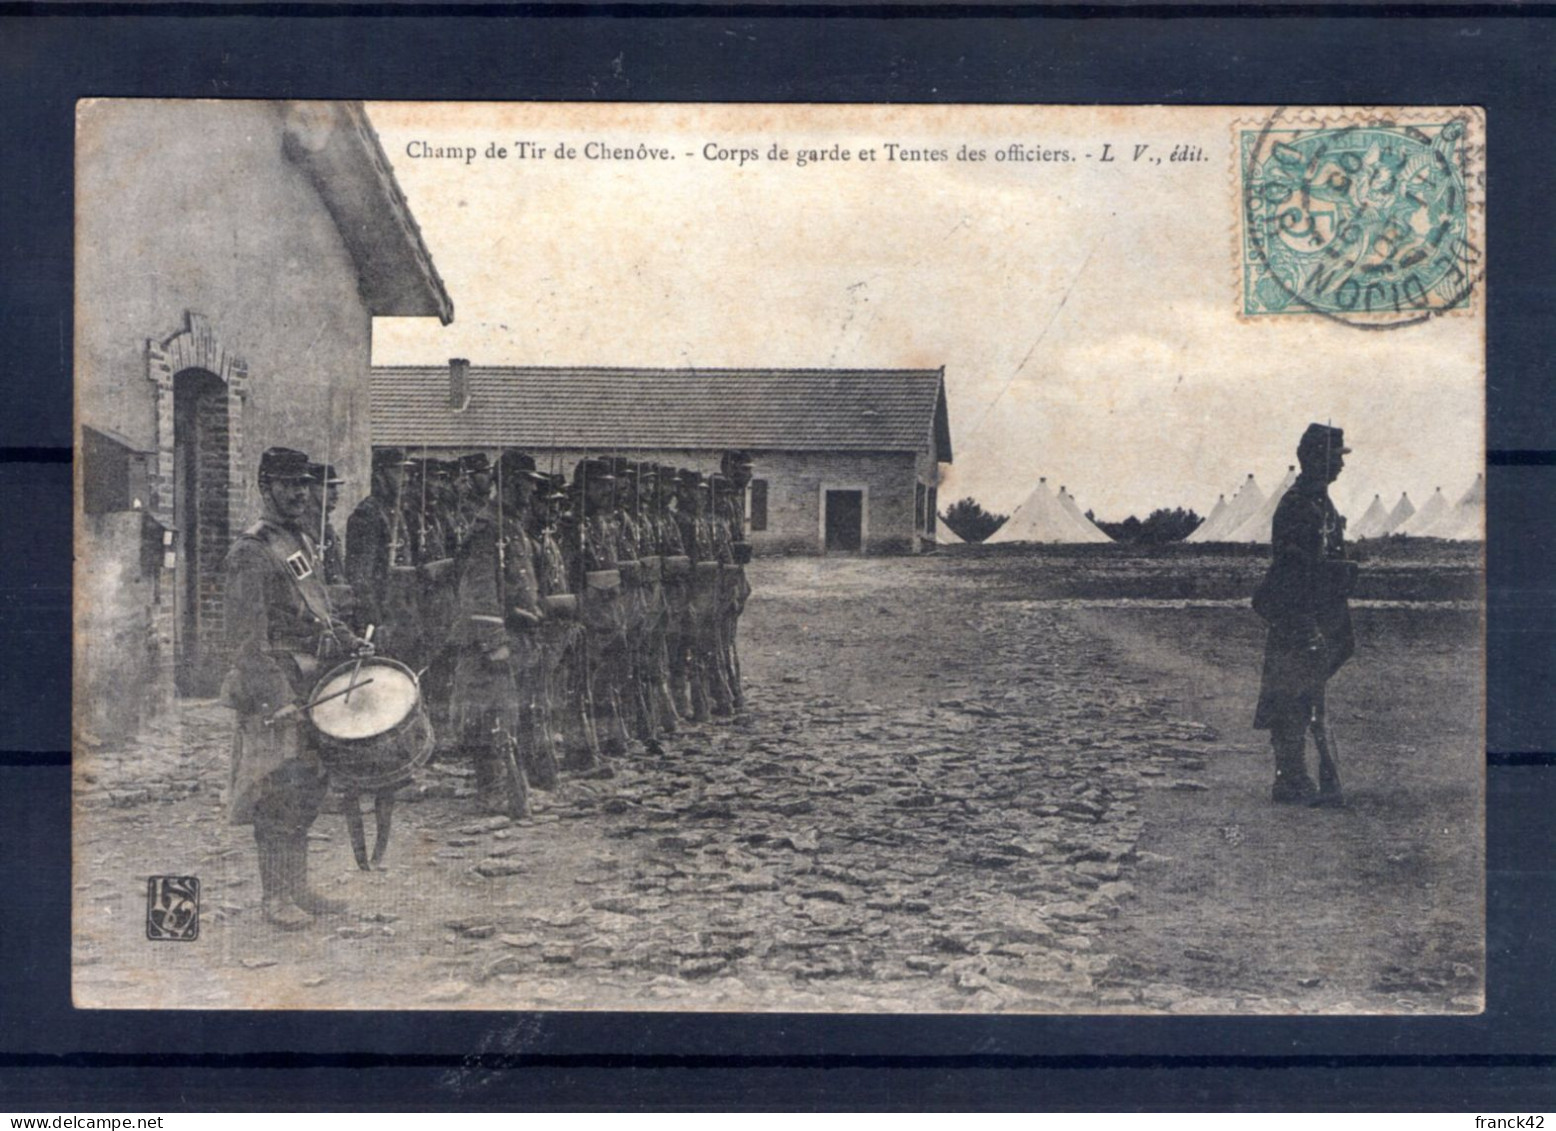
{"type": "Point", "coordinates": [760, 409]}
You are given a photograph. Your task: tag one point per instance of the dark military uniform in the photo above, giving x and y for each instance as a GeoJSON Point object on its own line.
{"type": "Point", "coordinates": [1304, 600]}
{"type": "Point", "coordinates": [484, 701]}
{"type": "Point", "coordinates": [604, 610]}
{"type": "Point", "coordinates": [676, 571]}
{"type": "Point", "coordinates": [331, 553]}
{"type": "Point", "coordinates": [562, 637]}
{"type": "Point", "coordinates": [376, 546]}
{"type": "Point", "coordinates": [434, 540]}
{"type": "Point", "coordinates": [526, 616]}
{"type": "Point", "coordinates": [281, 638]}
{"type": "Point", "coordinates": [653, 662]}
{"type": "Point", "coordinates": [734, 588]}
{"type": "Point", "coordinates": [709, 687]}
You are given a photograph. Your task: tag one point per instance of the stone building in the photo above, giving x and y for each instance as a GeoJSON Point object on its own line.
{"type": "Point", "coordinates": [845, 461]}
{"type": "Point", "coordinates": [230, 258]}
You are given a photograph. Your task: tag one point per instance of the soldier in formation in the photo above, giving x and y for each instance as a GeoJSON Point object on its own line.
{"type": "Point", "coordinates": [556, 623]}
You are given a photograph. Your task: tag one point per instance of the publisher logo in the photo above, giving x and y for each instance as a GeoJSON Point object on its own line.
{"type": "Point", "coordinates": [173, 908]}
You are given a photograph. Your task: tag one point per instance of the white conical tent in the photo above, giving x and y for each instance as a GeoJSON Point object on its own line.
{"type": "Point", "coordinates": [945, 536]}
{"type": "Point", "coordinates": [1090, 531]}
{"type": "Point", "coordinates": [1215, 513]}
{"type": "Point", "coordinates": [1465, 521]}
{"type": "Point", "coordinates": [1258, 526]}
{"type": "Point", "coordinates": [1249, 498]}
{"type": "Point", "coordinates": [1423, 519]}
{"type": "Point", "coordinates": [1041, 518]}
{"type": "Point", "coordinates": [1401, 513]}
{"type": "Point", "coordinates": [1374, 522]}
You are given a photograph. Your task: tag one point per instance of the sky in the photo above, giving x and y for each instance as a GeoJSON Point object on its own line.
{"type": "Point", "coordinates": [1085, 311]}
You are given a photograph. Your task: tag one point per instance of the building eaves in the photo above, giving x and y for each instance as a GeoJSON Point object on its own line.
{"type": "Point", "coordinates": [335, 144]}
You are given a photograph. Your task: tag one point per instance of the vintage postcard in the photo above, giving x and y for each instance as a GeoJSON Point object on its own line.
{"type": "Point", "coordinates": [903, 559]}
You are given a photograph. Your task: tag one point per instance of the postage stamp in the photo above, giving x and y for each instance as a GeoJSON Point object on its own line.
{"type": "Point", "coordinates": [1369, 219]}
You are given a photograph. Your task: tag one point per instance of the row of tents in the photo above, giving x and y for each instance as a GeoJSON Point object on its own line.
{"type": "Point", "coordinates": [1250, 515]}
{"type": "Point", "coordinates": [1056, 518]}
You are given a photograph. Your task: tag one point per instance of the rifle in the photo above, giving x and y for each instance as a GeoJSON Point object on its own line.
{"type": "Point", "coordinates": [505, 747]}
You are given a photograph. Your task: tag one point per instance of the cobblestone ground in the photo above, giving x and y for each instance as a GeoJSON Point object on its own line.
{"type": "Point", "coordinates": [936, 801]}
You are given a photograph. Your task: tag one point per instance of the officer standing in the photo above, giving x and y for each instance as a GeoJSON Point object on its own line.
{"type": "Point", "coordinates": [281, 636]}
{"type": "Point", "coordinates": [1304, 600]}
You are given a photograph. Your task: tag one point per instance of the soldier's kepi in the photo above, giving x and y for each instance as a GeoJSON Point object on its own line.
{"type": "Point", "coordinates": [1304, 599]}
{"type": "Point", "coordinates": [280, 634]}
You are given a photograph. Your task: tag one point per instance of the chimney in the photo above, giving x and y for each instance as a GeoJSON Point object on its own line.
{"type": "Point", "coordinates": [458, 383]}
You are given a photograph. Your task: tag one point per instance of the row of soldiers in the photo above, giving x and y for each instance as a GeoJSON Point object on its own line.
{"type": "Point", "coordinates": [554, 621]}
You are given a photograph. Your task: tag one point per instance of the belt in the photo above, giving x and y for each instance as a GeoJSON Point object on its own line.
{"type": "Point", "coordinates": [603, 579]}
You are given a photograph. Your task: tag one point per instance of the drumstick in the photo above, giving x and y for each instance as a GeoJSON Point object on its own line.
{"type": "Point", "coordinates": [367, 638]}
{"type": "Point", "coordinates": [292, 709]}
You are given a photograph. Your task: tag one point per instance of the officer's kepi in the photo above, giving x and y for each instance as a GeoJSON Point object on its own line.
{"type": "Point", "coordinates": [1323, 438]}
{"type": "Point", "coordinates": [284, 463]}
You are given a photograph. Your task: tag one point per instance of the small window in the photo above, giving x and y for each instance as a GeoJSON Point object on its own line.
{"type": "Point", "coordinates": [114, 474]}
{"type": "Point", "coordinates": [933, 510]}
{"type": "Point", "coordinates": [758, 504]}
{"type": "Point", "coordinates": [919, 498]}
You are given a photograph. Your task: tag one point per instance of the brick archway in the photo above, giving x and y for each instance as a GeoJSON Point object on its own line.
{"type": "Point", "coordinates": [187, 623]}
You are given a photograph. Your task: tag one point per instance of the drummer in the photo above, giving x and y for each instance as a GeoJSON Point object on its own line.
{"type": "Point", "coordinates": [281, 636]}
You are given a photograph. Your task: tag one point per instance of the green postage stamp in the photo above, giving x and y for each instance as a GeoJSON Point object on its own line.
{"type": "Point", "coordinates": [1372, 218]}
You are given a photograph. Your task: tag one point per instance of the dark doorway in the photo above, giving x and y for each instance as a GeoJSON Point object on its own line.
{"type": "Point", "coordinates": [845, 521]}
{"type": "Point", "coordinates": [200, 504]}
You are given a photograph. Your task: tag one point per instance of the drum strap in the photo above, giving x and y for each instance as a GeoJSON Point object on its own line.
{"type": "Point", "coordinates": [300, 566]}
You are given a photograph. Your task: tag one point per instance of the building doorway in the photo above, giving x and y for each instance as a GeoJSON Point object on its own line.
{"type": "Point", "coordinates": [200, 518]}
{"type": "Point", "coordinates": [843, 521]}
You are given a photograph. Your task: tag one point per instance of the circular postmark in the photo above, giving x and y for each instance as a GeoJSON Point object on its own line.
{"type": "Point", "coordinates": [1367, 220]}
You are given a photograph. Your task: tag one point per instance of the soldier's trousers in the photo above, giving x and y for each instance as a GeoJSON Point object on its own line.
{"type": "Point", "coordinates": [567, 694]}
{"type": "Point", "coordinates": [653, 663]}
{"type": "Point", "coordinates": [710, 686]}
{"type": "Point", "coordinates": [537, 744]}
{"type": "Point", "coordinates": [609, 666]}
{"type": "Point", "coordinates": [677, 650]}
{"type": "Point", "coordinates": [729, 654]}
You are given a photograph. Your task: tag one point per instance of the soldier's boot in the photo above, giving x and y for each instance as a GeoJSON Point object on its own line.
{"type": "Point", "coordinates": [723, 700]}
{"type": "Point", "coordinates": [736, 690]}
{"type": "Point", "coordinates": [580, 745]}
{"type": "Point", "coordinates": [537, 756]}
{"type": "Point", "coordinates": [697, 689]}
{"type": "Point", "coordinates": [610, 730]}
{"type": "Point", "coordinates": [304, 896]}
{"type": "Point", "coordinates": [1292, 785]}
{"type": "Point", "coordinates": [664, 701]}
{"type": "Point", "coordinates": [277, 905]}
{"type": "Point", "coordinates": [680, 685]}
{"type": "Point", "coordinates": [487, 783]}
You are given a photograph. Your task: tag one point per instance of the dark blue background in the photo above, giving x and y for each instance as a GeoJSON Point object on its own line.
{"type": "Point", "coordinates": [53, 1058]}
